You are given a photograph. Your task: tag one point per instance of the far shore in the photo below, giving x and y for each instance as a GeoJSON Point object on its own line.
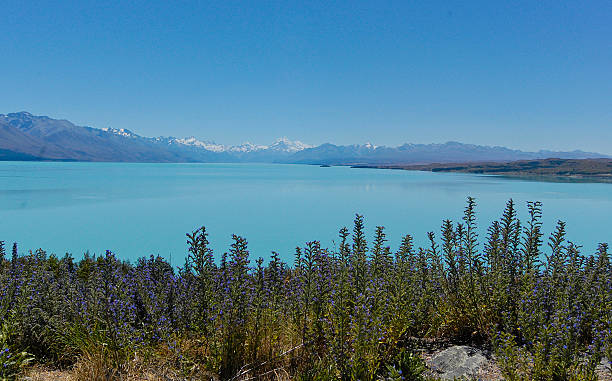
{"type": "Point", "coordinates": [565, 170]}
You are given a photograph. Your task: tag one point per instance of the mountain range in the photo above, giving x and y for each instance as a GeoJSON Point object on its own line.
{"type": "Point", "coordinates": [24, 136]}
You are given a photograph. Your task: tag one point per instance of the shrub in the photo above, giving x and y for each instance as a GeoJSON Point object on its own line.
{"type": "Point", "coordinates": [346, 313]}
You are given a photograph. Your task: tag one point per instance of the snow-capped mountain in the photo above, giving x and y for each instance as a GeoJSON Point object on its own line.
{"type": "Point", "coordinates": [246, 147]}
{"type": "Point", "coordinates": [121, 132]}
{"type": "Point", "coordinates": [24, 136]}
{"type": "Point", "coordinates": [286, 145]}
{"type": "Point", "coordinates": [207, 145]}
{"type": "Point", "coordinates": [279, 145]}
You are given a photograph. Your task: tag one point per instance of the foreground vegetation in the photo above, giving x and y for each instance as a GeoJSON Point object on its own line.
{"type": "Point", "coordinates": [353, 312]}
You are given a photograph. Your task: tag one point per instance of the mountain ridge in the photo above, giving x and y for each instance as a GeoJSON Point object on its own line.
{"type": "Point", "coordinates": [24, 136]}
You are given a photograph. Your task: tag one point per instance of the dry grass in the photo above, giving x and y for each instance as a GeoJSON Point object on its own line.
{"type": "Point", "coordinates": [43, 374]}
{"type": "Point", "coordinates": [88, 371]}
{"type": "Point", "coordinates": [84, 371]}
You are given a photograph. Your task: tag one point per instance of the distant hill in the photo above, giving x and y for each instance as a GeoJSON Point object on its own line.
{"type": "Point", "coordinates": [24, 136]}
{"type": "Point", "coordinates": [53, 139]}
{"type": "Point", "coordinates": [450, 152]}
{"type": "Point", "coordinates": [597, 169]}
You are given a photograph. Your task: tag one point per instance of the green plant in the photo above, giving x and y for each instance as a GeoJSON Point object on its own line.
{"type": "Point", "coordinates": [407, 366]}
{"type": "Point", "coordinates": [12, 361]}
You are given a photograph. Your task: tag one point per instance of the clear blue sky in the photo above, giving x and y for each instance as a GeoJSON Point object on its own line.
{"type": "Point", "coordinates": [529, 74]}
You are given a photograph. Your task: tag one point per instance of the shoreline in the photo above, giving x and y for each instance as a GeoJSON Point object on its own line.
{"type": "Point", "coordinates": [549, 170]}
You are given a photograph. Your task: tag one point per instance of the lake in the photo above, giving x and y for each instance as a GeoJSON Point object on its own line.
{"type": "Point", "coordinates": [141, 209]}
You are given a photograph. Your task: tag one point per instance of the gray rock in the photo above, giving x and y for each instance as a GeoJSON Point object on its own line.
{"type": "Point", "coordinates": [604, 370]}
{"type": "Point", "coordinates": [458, 362]}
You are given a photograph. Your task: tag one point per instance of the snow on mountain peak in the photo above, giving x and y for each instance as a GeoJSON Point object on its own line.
{"type": "Point", "coordinates": [284, 144]}
{"type": "Point", "coordinates": [120, 131]}
{"type": "Point", "coordinates": [207, 145]}
{"type": "Point", "coordinates": [280, 145]}
{"type": "Point", "coordinates": [247, 147]}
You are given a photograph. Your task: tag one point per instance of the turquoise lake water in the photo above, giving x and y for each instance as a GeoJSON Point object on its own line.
{"type": "Point", "coordinates": [141, 209]}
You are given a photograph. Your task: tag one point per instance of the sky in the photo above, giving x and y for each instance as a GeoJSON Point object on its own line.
{"type": "Point", "coordinates": [523, 74]}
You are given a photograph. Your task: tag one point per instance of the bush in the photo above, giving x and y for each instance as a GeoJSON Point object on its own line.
{"type": "Point", "coordinates": [346, 313]}
{"type": "Point", "coordinates": [12, 361]}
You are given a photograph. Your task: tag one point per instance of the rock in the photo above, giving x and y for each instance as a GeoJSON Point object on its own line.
{"type": "Point", "coordinates": [604, 370]}
{"type": "Point", "coordinates": [458, 362]}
